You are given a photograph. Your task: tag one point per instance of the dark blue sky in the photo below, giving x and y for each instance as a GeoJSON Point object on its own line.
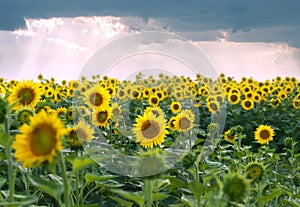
{"type": "Point", "coordinates": [235, 15]}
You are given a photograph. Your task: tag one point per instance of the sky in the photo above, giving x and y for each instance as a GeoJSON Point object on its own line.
{"type": "Point", "coordinates": [256, 38]}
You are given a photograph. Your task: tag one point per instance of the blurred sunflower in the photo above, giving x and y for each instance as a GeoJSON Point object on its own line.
{"type": "Point", "coordinates": [80, 134]}
{"type": "Point", "coordinates": [184, 121]}
{"type": "Point", "coordinates": [39, 141]}
{"type": "Point", "coordinates": [24, 115]}
{"type": "Point", "coordinates": [156, 110]}
{"type": "Point", "coordinates": [116, 109]}
{"type": "Point", "coordinates": [175, 107]}
{"type": "Point", "coordinates": [150, 130]}
{"type": "Point", "coordinates": [26, 93]}
{"type": "Point", "coordinates": [101, 117]}
{"type": "Point", "coordinates": [264, 134]}
{"type": "Point", "coordinates": [213, 107]}
{"type": "Point", "coordinates": [97, 97]}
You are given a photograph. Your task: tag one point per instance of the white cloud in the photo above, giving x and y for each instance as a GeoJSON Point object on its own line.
{"type": "Point", "coordinates": [60, 47]}
{"type": "Point", "coordinates": [66, 44]}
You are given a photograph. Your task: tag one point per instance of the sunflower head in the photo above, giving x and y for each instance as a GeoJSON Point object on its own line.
{"type": "Point", "coordinates": [80, 134]}
{"type": "Point", "coordinates": [264, 134]}
{"type": "Point", "coordinates": [184, 122]}
{"type": "Point", "coordinates": [26, 93]}
{"type": "Point", "coordinates": [40, 140]}
{"type": "Point", "coordinates": [230, 135]}
{"type": "Point", "coordinates": [101, 117]}
{"type": "Point", "coordinates": [213, 127]}
{"type": "Point", "coordinates": [175, 107]}
{"type": "Point", "coordinates": [255, 171]}
{"type": "Point", "coordinates": [97, 97]}
{"type": "Point", "coordinates": [235, 186]}
{"type": "Point", "coordinates": [150, 130]}
{"type": "Point", "coordinates": [24, 115]}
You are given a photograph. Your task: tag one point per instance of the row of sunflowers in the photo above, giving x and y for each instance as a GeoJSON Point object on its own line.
{"type": "Point", "coordinates": [206, 141]}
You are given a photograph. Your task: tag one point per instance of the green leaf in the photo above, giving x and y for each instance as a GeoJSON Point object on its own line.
{"type": "Point", "coordinates": [51, 188]}
{"type": "Point", "coordinates": [122, 201]}
{"type": "Point", "coordinates": [5, 140]}
{"type": "Point", "coordinates": [197, 189]}
{"type": "Point", "coordinates": [88, 205]}
{"type": "Point", "coordinates": [79, 163]}
{"type": "Point", "coordinates": [24, 202]}
{"type": "Point", "coordinates": [271, 196]}
{"type": "Point", "coordinates": [159, 196]}
{"type": "Point", "coordinates": [2, 181]}
{"type": "Point", "coordinates": [109, 184]}
{"type": "Point", "coordinates": [176, 183]}
{"type": "Point", "coordinates": [136, 197]}
{"type": "Point", "coordinates": [89, 177]}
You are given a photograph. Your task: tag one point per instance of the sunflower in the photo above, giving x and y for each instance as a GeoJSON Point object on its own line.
{"type": "Point", "coordinates": [233, 98]}
{"type": "Point", "coordinates": [24, 115]}
{"type": "Point", "coordinates": [153, 100]}
{"type": "Point", "coordinates": [255, 171]}
{"type": "Point", "coordinates": [97, 97]}
{"type": "Point", "coordinates": [80, 134]}
{"type": "Point", "coordinates": [236, 186]}
{"type": "Point", "coordinates": [61, 111]}
{"type": "Point", "coordinates": [39, 141]}
{"type": "Point", "coordinates": [116, 109]}
{"type": "Point", "coordinates": [264, 134]}
{"type": "Point", "coordinates": [156, 110]}
{"type": "Point", "coordinates": [296, 103]}
{"type": "Point", "coordinates": [150, 130]}
{"type": "Point", "coordinates": [175, 107]}
{"type": "Point", "coordinates": [171, 123]}
{"type": "Point", "coordinates": [26, 93]}
{"type": "Point", "coordinates": [101, 117]}
{"type": "Point", "coordinates": [247, 104]}
{"type": "Point", "coordinates": [184, 121]}
{"type": "Point", "coordinates": [229, 136]}
{"type": "Point", "coordinates": [213, 107]}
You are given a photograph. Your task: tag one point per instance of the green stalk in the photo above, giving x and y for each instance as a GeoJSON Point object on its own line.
{"type": "Point", "coordinates": [258, 195]}
{"type": "Point", "coordinates": [148, 192]}
{"type": "Point", "coordinates": [11, 172]}
{"type": "Point", "coordinates": [65, 181]}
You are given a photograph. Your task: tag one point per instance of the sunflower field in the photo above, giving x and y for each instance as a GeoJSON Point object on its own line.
{"type": "Point", "coordinates": [156, 141]}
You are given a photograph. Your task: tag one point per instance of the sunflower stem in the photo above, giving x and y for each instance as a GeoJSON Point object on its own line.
{"type": "Point", "coordinates": [258, 194]}
{"type": "Point", "coordinates": [11, 172]}
{"type": "Point", "coordinates": [148, 192]}
{"type": "Point", "coordinates": [65, 181]}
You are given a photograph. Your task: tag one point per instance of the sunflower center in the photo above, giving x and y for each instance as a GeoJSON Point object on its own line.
{"type": "Point", "coordinates": [248, 104]}
{"type": "Point", "coordinates": [233, 98]}
{"type": "Point", "coordinates": [150, 129]}
{"type": "Point", "coordinates": [43, 140]}
{"type": "Point", "coordinates": [175, 106]}
{"type": "Point", "coordinates": [81, 134]}
{"type": "Point", "coordinates": [184, 123]}
{"type": "Point", "coordinates": [27, 96]}
{"type": "Point", "coordinates": [116, 111]}
{"type": "Point", "coordinates": [154, 100]}
{"type": "Point", "coordinates": [102, 116]}
{"type": "Point", "coordinates": [96, 99]}
{"type": "Point", "coordinates": [155, 112]}
{"type": "Point", "coordinates": [24, 116]}
{"type": "Point", "coordinates": [265, 134]}
{"type": "Point", "coordinates": [214, 106]}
